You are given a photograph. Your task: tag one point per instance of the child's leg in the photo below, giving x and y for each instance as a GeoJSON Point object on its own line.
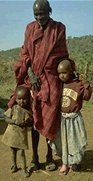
{"type": "Point", "coordinates": [64, 140]}
{"type": "Point", "coordinates": [23, 160]}
{"type": "Point", "coordinates": [14, 159]}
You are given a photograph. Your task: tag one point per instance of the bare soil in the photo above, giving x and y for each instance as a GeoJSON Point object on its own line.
{"type": "Point", "coordinates": [85, 174]}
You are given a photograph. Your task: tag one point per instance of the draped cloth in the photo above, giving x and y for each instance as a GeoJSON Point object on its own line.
{"type": "Point", "coordinates": [42, 50]}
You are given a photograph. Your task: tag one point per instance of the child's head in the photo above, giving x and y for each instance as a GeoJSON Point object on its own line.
{"type": "Point", "coordinates": [23, 96]}
{"type": "Point", "coordinates": [65, 70]}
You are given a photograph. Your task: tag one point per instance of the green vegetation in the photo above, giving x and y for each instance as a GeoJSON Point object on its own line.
{"type": "Point", "coordinates": [7, 78]}
{"type": "Point", "coordinates": [80, 50]}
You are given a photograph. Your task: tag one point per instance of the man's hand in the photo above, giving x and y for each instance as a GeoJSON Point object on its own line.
{"type": "Point", "coordinates": [35, 81]}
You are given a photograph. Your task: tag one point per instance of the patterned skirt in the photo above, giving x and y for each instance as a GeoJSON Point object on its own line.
{"type": "Point", "coordinates": [71, 139]}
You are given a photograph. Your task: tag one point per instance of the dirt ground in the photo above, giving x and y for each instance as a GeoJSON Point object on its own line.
{"type": "Point", "coordinates": [85, 174]}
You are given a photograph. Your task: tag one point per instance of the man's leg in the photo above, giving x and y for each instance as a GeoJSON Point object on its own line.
{"type": "Point", "coordinates": [35, 142]}
{"type": "Point", "coordinates": [35, 165]}
{"type": "Point", "coordinates": [50, 165]}
{"type": "Point", "coordinates": [49, 156]}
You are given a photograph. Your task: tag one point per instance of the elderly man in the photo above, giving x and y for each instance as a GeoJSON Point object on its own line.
{"type": "Point", "coordinates": [44, 46]}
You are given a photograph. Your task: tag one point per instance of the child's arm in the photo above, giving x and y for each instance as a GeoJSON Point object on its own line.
{"type": "Point", "coordinates": [27, 123]}
{"type": "Point", "coordinates": [8, 116]}
{"type": "Point", "coordinates": [9, 120]}
{"type": "Point", "coordinates": [87, 90]}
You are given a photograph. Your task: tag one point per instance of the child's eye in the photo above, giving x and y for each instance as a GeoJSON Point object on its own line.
{"type": "Point", "coordinates": [18, 98]}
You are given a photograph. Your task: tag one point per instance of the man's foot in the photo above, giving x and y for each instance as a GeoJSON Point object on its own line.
{"type": "Point", "coordinates": [34, 166]}
{"type": "Point", "coordinates": [50, 166]}
{"type": "Point", "coordinates": [14, 169]}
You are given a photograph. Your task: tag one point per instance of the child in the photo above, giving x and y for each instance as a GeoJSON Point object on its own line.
{"type": "Point", "coordinates": [18, 118]}
{"type": "Point", "coordinates": [71, 139]}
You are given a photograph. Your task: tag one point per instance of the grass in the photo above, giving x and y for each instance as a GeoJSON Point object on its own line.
{"type": "Point", "coordinates": [7, 83]}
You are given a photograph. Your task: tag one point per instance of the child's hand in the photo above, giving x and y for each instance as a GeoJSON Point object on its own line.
{"type": "Point", "coordinates": [21, 124]}
{"type": "Point", "coordinates": [24, 124]}
{"type": "Point", "coordinates": [17, 122]}
{"type": "Point", "coordinates": [82, 78]}
{"type": "Point", "coordinates": [85, 83]}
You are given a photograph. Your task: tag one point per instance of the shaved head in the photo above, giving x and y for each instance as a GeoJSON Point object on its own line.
{"type": "Point", "coordinates": [43, 4]}
{"type": "Point", "coordinates": [23, 90]}
{"type": "Point", "coordinates": [65, 64]}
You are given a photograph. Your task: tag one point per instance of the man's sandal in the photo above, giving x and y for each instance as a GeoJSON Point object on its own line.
{"type": "Point", "coordinates": [50, 166]}
{"type": "Point", "coordinates": [34, 166]}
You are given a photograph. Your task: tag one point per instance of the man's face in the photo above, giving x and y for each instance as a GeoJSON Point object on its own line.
{"type": "Point", "coordinates": [41, 15]}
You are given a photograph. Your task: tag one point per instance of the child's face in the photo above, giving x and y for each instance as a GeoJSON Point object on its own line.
{"type": "Point", "coordinates": [64, 73]}
{"type": "Point", "coordinates": [21, 98]}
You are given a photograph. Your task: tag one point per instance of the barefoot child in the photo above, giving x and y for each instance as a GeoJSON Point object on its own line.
{"type": "Point", "coordinates": [72, 140]}
{"type": "Point", "coordinates": [18, 118]}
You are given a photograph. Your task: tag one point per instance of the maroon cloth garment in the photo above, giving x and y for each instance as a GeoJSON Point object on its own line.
{"type": "Point", "coordinates": [73, 95]}
{"type": "Point", "coordinates": [41, 50]}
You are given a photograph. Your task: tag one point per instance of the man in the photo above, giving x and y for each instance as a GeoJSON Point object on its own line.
{"type": "Point", "coordinates": [44, 46]}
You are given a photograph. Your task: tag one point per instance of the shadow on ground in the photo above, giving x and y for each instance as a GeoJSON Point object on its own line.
{"type": "Point", "coordinates": [87, 163]}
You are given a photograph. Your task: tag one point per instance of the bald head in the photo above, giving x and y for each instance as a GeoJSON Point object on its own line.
{"type": "Point", "coordinates": [42, 10]}
{"type": "Point", "coordinates": [64, 64]}
{"type": "Point", "coordinates": [42, 4]}
{"type": "Point", "coordinates": [23, 90]}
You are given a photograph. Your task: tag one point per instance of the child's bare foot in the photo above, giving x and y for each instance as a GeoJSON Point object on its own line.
{"type": "Point", "coordinates": [64, 169]}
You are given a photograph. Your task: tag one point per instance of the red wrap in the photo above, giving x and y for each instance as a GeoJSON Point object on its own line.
{"type": "Point", "coordinates": [41, 50]}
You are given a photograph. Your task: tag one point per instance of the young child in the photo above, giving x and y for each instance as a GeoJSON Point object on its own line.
{"type": "Point", "coordinates": [71, 139]}
{"type": "Point", "coordinates": [18, 118]}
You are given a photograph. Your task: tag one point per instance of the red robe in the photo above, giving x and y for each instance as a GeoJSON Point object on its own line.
{"type": "Point", "coordinates": [41, 50]}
